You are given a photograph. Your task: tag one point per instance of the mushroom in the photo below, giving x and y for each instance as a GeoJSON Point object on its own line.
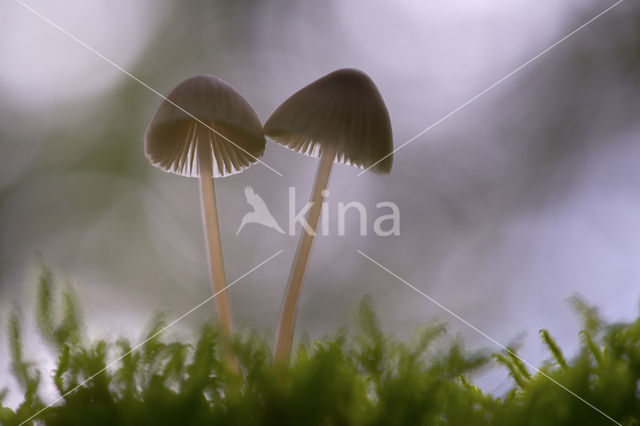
{"type": "Point", "coordinates": [206, 129]}
{"type": "Point", "coordinates": [340, 118]}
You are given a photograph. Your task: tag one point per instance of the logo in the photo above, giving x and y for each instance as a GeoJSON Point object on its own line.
{"type": "Point", "coordinates": [383, 226]}
{"type": "Point", "coordinates": [260, 213]}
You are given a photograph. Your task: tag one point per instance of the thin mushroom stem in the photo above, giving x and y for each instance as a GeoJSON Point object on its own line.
{"type": "Point", "coordinates": [212, 231]}
{"type": "Point", "coordinates": [296, 277]}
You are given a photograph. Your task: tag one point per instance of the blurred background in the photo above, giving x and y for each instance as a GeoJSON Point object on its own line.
{"type": "Point", "coordinates": [525, 197]}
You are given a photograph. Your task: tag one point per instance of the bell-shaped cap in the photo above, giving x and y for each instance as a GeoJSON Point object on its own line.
{"type": "Point", "coordinates": [344, 110]}
{"type": "Point", "coordinates": [171, 138]}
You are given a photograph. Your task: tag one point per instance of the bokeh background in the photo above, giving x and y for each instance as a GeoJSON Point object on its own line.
{"type": "Point", "coordinates": [525, 197]}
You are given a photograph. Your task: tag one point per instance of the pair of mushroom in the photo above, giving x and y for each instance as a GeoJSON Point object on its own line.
{"type": "Point", "coordinates": [206, 129]}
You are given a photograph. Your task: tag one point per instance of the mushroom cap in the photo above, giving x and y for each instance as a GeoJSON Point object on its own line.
{"type": "Point", "coordinates": [171, 137]}
{"type": "Point", "coordinates": [344, 110]}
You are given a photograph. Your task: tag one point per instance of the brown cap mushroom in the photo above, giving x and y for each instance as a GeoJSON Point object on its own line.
{"type": "Point", "coordinates": [204, 102]}
{"type": "Point", "coordinates": [340, 118]}
{"type": "Point", "coordinates": [343, 111]}
{"type": "Point", "coordinates": [205, 128]}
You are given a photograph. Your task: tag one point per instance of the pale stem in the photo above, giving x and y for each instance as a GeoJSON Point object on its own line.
{"type": "Point", "coordinates": [212, 234]}
{"type": "Point", "coordinates": [296, 277]}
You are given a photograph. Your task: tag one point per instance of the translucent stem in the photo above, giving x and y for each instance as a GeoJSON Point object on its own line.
{"type": "Point", "coordinates": [212, 233]}
{"type": "Point", "coordinates": [287, 321]}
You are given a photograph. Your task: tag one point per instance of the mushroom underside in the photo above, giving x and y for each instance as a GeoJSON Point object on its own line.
{"type": "Point", "coordinates": [366, 155]}
{"type": "Point", "coordinates": [172, 146]}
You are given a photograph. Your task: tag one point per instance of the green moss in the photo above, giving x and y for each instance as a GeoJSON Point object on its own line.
{"type": "Point", "coordinates": [364, 377]}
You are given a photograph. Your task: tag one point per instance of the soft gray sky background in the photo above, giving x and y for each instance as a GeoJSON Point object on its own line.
{"type": "Point", "coordinates": [528, 195]}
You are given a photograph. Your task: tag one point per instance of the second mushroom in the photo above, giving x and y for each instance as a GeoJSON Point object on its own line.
{"type": "Point", "coordinates": [339, 118]}
{"type": "Point", "coordinates": [206, 129]}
